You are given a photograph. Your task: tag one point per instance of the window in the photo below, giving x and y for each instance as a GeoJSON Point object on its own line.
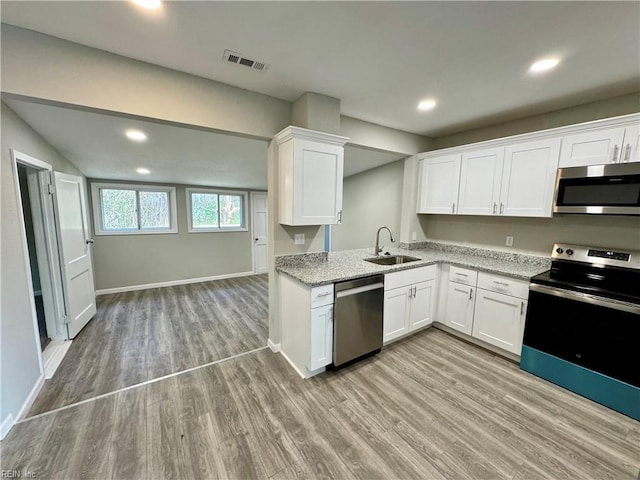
{"type": "Point", "coordinates": [216, 211]}
{"type": "Point", "coordinates": [121, 208]}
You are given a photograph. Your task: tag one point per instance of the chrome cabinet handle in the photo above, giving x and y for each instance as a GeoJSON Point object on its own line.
{"type": "Point", "coordinates": [415, 291]}
{"type": "Point", "coordinates": [495, 208]}
{"type": "Point", "coordinates": [627, 152]}
{"type": "Point", "coordinates": [501, 208]}
{"type": "Point", "coordinates": [471, 294]}
{"type": "Point", "coordinates": [453, 208]}
{"type": "Point", "coordinates": [521, 308]}
{"type": "Point", "coordinates": [462, 274]}
{"type": "Point", "coordinates": [615, 154]}
{"type": "Point", "coordinates": [340, 216]}
{"type": "Point", "coordinates": [89, 240]}
{"type": "Point", "coordinates": [324, 294]}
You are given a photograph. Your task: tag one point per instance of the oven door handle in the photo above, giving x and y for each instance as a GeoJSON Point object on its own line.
{"type": "Point", "coordinates": [586, 298]}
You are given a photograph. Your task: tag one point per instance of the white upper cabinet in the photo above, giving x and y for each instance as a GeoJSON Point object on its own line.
{"type": "Point", "coordinates": [480, 176]}
{"type": "Point", "coordinates": [439, 182]}
{"type": "Point", "coordinates": [631, 149]}
{"type": "Point", "coordinates": [515, 176]}
{"type": "Point", "coordinates": [517, 180]}
{"type": "Point", "coordinates": [592, 148]}
{"type": "Point", "coordinates": [310, 174]}
{"type": "Point", "coordinates": [528, 179]}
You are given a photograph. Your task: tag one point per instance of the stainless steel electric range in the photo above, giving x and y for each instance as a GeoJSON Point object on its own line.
{"type": "Point", "coordinates": [582, 328]}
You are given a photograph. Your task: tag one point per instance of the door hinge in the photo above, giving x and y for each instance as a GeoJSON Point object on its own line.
{"type": "Point", "coordinates": [51, 188]}
{"type": "Point", "coordinates": [66, 319]}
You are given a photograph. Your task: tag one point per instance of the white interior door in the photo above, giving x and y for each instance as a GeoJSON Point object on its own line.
{"type": "Point", "coordinates": [259, 217]}
{"type": "Point", "coordinates": [73, 234]}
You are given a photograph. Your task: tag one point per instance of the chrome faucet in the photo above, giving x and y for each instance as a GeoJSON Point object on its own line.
{"type": "Point", "coordinates": [378, 247]}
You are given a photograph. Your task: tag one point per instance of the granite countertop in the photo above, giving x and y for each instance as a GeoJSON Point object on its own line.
{"type": "Point", "coordinates": [322, 268]}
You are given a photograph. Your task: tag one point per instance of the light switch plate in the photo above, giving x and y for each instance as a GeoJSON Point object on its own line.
{"type": "Point", "coordinates": [509, 242]}
{"type": "Point", "coordinates": [299, 239]}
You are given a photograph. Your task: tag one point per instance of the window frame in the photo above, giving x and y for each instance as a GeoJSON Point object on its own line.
{"type": "Point", "coordinates": [240, 193]}
{"type": "Point", "coordinates": [96, 201]}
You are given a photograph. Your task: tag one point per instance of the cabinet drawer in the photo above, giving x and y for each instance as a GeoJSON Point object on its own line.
{"type": "Point", "coordinates": [322, 296]}
{"type": "Point", "coordinates": [505, 285]}
{"type": "Point", "coordinates": [463, 275]}
{"type": "Point", "coordinates": [409, 277]}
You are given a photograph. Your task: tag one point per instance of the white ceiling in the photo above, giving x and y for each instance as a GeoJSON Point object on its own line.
{"type": "Point", "coordinates": [96, 145]}
{"type": "Point", "coordinates": [379, 58]}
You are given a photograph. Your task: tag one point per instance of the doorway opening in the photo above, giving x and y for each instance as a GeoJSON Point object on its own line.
{"type": "Point", "coordinates": [34, 180]}
{"type": "Point", "coordinates": [27, 197]}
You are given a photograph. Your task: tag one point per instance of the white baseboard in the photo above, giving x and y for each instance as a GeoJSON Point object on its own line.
{"type": "Point", "coordinates": [306, 373]}
{"type": "Point", "coordinates": [292, 364]}
{"type": "Point", "coordinates": [6, 425]}
{"type": "Point", "coordinates": [27, 403]}
{"type": "Point", "coordinates": [171, 283]}
{"type": "Point", "coordinates": [275, 347]}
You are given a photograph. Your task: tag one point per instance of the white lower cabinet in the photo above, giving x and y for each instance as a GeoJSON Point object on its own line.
{"type": "Point", "coordinates": [421, 305]}
{"type": "Point", "coordinates": [408, 301]}
{"type": "Point", "coordinates": [486, 306]}
{"type": "Point", "coordinates": [321, 343]}
{"type": "Point", "coordinates": [307, 325]}
{"type": "Point", "coordinates": [499, 320]}
{"type": "Point", "coordinates": [396, 307]}
{"type": "Point", "coordinates": [460, 307]}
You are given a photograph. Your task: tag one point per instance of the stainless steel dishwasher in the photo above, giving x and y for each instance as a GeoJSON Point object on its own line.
{"type": "Point", "coordinates": [357, 321]}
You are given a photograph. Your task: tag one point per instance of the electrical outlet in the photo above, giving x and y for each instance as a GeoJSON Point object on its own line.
{"type": "Point", "coordinates": [509, 242]}
{"type": "Point", "coordinates": [413, 235]}
{"type": "Point", "coordinates": [299, 239]}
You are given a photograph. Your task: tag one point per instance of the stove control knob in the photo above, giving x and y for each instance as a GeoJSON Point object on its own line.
{"type": "Point", "coordinates": [569, 251]}
{"type": "Point", "coordinates": [559, 251]}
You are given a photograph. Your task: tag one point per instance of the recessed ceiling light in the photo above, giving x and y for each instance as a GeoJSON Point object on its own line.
{"type": "Point", "coordinates": [425, 105]}
{"type": "Point", "coordinates": [148, 4]}
{"type": "Point", "coordinates": [135, 135]}
{"type": "Point", "coordinates": [544, 65]}
{"type": "Point", "coordinates": [143, 171]}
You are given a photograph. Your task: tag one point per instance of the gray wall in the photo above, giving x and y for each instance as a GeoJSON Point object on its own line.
{"type": "Point", "coordinates": [127, 260]}
{"type": "Point", "coordinates": [370, 199]}
{"type": "Point", "coordinates": [19, 365]}
{"type": "Point", "coordinates": [534, 235]}
{"type": "Point", "coordinates": [610, 107]}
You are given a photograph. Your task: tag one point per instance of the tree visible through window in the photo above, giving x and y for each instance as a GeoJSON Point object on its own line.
{"type": "Point", "coordinates": [127, 210]}
{"type": "Point", "coordinates": [216, 211]}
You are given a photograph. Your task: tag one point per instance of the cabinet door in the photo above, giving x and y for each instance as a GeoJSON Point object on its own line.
{"type": "Point", "coordinates": [480, 176]}
{"type": "Point", "coordinates": [591, 148]}
{"type": "Point", "coordinates": [460, 307]}
{"type": "Point", "coordinates": [321, 341]}
{"type": "Point", "coordinates": [439, 182]}
{"type": "Point", "coordinates": [396, 312]}
{"type": "Point", "coordinates": [317, 178]}
{"type": "Point", "coordinates": [631, 150]}
{"type": "Point", "coordinates": [499, 320]}
{"type": "Point", "coordinates": [528, 179]}
{"type": "Point", "coordinates": [421, 305]}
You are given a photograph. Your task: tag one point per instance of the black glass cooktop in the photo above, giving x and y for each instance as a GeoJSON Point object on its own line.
{"type": "Point", "coordinates": [611, 282]}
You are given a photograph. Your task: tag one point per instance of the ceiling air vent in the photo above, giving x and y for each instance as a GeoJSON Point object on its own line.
{"type": "Point", "coordinates": [239, 59]}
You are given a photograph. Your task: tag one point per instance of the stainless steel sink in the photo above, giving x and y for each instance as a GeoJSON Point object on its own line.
{"type": "Point", "coordinates": [391, 259]}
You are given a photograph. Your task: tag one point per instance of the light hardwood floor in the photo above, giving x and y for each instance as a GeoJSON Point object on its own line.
{"type": "Point", "coordinates": [146, 334]}
{"type": "Point", "coordinates": [428, 407]}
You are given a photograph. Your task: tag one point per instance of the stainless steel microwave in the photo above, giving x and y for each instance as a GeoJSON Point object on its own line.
{"type": "Point", "coordinates": [599, 189]}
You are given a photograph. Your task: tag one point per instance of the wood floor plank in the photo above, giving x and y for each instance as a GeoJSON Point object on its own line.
{"type": "Point", "coordinates": [146, 334]}
{"type": "Point", "coordinates": [128, 452]}
{"type": "Point", "coordinates": [428, 407]}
